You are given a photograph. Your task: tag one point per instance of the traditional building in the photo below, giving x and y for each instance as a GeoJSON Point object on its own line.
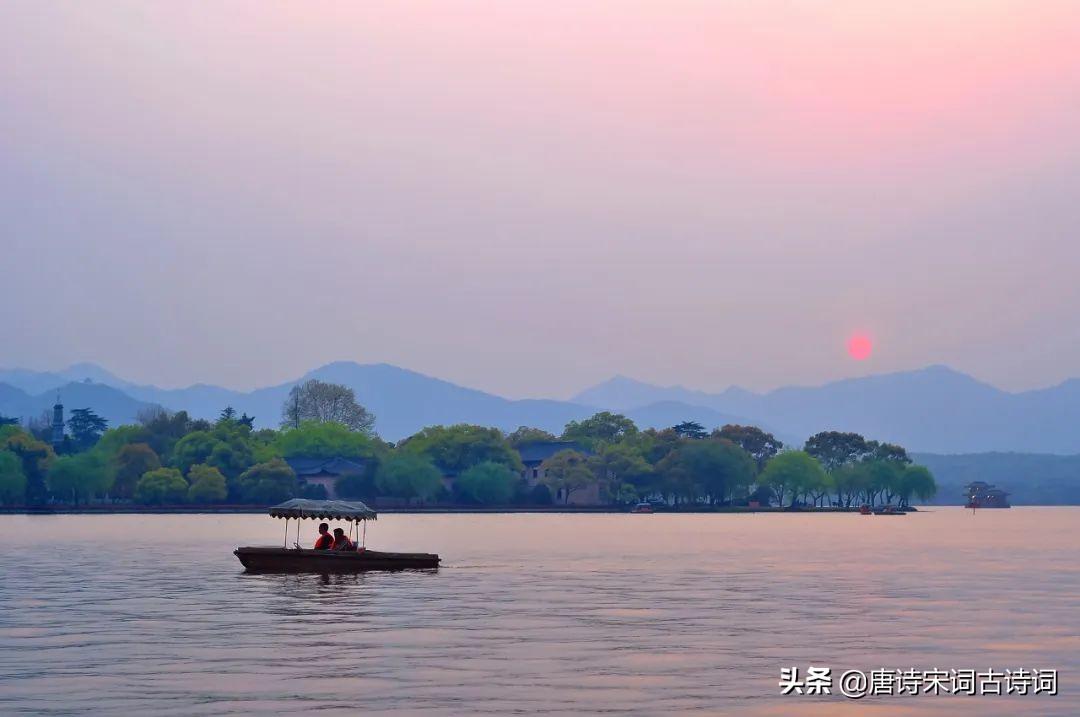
{"type": "Point", "coordinates": [57, 437]}
{"type": "Point", "coordinates": [325, 472]}
{"type": "Point", "coordinates": [534, 454]}
{"type": "Point", "coordinates": [984, 495]}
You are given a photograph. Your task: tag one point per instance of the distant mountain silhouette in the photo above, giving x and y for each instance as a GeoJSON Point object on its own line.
{"type": "Point", "coordinates": [934, 410]}
{"type": "Point", "coordinates": [110, 403]}
{"type": "Point", "coordinates": [931, 410]}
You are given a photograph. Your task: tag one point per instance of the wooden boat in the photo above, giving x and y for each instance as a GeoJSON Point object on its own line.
{"type": "Point", "coordinates": [642, 508]}
{"type": "Point", "coordinates": [302, 560]}
{"type": "Point", "coordinates": [293, 560]}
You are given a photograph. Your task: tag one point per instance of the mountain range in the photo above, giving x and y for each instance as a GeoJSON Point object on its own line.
{"type": "Point", "coordinates": [930, 410]}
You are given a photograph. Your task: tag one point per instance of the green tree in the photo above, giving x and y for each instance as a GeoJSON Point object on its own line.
{"type": "Point", "coordinates": [227, 446]}
{"type": "Point", "coordinates": [79, 477]}
{"type": "Point", "coordinates": [408, 475]}
{"type": "Point", "coordinates": [761, 445]}
{"type": "Point", "coordinates": [268, 483]}
{"type": "Point", "coordinates": [455, 448]}
{"type": "Point", "coordinates": [524, 435]}
{"type": "Point", "coordinates": [322, 402]}
{"type": "Point", "coordinates": [718, 468]}
{"type": "Point", "coordinates": [621, 469]}
{"type": "Point", "coordinates": [917, 482]}
{"type": "Point", "coordinates": [602, 427]}
{"type": "Point", "coordinates": [833, 448]}
{"type": "Point", "coordinates": [690, 429]}
{"type": "Point", "coordinates": [486, 483]}
{"type": "Point", "coordinates": [8, 420]}
{"type": "Point", "coordinates": [36, 456]}
{"type": "Point", "coordinates": [12, 479]}
{"type": "Point", "coordinates": [792, 473]}
{"type": "Point", "coordinates": [86, 428]}
{"type": "Point", "coordinates": [161, 486]}
{"type": "Point", "coordinates": [129, 464]}
{"type": "Point", "coordinates": [566, 472]}
{"type": "Point", "coordinates": [227, 414]}
{"type": "Point", "coordinates": [324, 440]}
{"type": "Point", "coordinates": [207, 485]}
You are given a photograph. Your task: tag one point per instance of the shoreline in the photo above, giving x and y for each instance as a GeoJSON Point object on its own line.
{"type": "Point", "coordinates": [261, 509]}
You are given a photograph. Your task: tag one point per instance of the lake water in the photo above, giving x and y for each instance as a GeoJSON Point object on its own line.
{"type": "Point", "coordinates": [546, 614]}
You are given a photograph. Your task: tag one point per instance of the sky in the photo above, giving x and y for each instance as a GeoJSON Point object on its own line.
{"type": "Point", "coordinates": [529, 197]}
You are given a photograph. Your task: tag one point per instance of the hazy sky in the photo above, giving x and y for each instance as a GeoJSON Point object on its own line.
{"type": "Point", "coordinates": [528, 197]}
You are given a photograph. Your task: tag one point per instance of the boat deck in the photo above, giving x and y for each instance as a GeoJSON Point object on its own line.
{"type": "Point", "coordinates": [302, 560]}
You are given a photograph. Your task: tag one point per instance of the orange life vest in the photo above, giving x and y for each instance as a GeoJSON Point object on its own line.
{"type": "Point", "coordinates": [324, 541]}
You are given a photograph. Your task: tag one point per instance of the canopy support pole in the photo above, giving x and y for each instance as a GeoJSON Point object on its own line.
{"type": "Point", "coordinates": [363, 541]}
{"type": "Point", "coordinates": [286, 533]}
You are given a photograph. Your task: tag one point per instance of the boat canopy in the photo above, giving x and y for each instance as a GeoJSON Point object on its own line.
{"type": "Point", "coordinates": [323, 509]}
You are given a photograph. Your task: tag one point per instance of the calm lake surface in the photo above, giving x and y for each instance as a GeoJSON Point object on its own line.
{"type": "Point", "coordinates": [547, 614]}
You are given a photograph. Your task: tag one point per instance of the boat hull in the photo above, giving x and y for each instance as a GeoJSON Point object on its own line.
{"type": "Point", "coordinates": [286, 560]}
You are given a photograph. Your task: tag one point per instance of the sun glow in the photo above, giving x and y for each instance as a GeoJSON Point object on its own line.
{"type": "Point", "coordinates": [860, 346]}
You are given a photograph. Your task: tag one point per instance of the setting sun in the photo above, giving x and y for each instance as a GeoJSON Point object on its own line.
{"type": "Point", "coordinates": [859, 347]}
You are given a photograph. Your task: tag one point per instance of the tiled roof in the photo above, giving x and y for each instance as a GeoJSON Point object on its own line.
{"type": "Point", "coordinates": [304, 466]}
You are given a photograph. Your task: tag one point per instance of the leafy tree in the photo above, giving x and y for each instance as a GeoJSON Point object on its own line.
{"type": "Point", "coordinates": [761, 445]}
{"type": "Point", "coordinates": [315, 400]}
{"type": "Point", "coordinates": [792, 472]}
{"type": "Point", "coordinates": [360, 486]}
{"type": "Point", "coordinates": [690, 429]}
{"type": "Point", "coordinates": [718, 468]}
{"type": "Point", "coordinates": [409, 476]}
{"type": "Point", "coordinates": [270, 482]}
{"type": "Point", "coordinates": [918, 482]}
{"type": "Point", "coordinates": [622, 464]}
{"type": "Point", "coordinates": [161, 486]}
{"type": "Point", "coordinates": [227, 447]}
{"type": "Point", "coordinates": [79, 477]}
{"type": "Point", "coordinates": [847, 482]}
{"type": "Point", "coordinates": [567, 471]}
{"type": "Point", "coordinates": [207, 485]}
{"type": "Point", "coordinates": [524, 435]}
{"type": "Point", "coordinates": [833, 448]}
{"type": "Point", "coordinates": [162, 430]}
{"type": "Point", "coordinates": [86, 428]}
{"type": "Point", "coordinates": [455, 448]}
{"type": "Point", "coordinates": [36, 456]}
{"type": "Point", "coordinates": [129, 465]}
{"type": "Point", "coordinates": [12, 478]}
{"type": "Point", "coordinates": [324, 440]}
{"type": "Point", "coordinates": [8, 420]}
{"type": "Point", "coordinates": [227, 414]}
{"type": "Point", "coordinates": [888, 452]}
{"type": "Point", "coordinates": [603, 427]}
{"type": "Point", "coordinates": [487, 482]}
{"type": "Point", "coordinates": [247, 420]}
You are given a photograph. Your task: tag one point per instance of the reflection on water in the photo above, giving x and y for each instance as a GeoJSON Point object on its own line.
{"type": "Point", "coordinates": [552, 614]}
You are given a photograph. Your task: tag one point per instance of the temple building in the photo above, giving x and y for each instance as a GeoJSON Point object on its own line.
{"type": "Point", "coordinates": [324, 472]}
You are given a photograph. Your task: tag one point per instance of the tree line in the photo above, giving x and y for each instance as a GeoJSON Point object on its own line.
{"type": "Point", "coordinates": [169, 458]}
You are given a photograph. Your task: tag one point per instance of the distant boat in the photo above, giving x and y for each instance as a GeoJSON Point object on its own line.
{"type": "Point", "coordinates": [302, 560]}
{"type": "Point", "coordinates": [642, 508]}
{"type": "Point", "coordinates": [980, 494]}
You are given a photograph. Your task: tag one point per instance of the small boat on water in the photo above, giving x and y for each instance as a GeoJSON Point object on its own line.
{"type": "Point", "coordinates": [642, 508]}
{"type": "Point", "coordinates": [302, 560]}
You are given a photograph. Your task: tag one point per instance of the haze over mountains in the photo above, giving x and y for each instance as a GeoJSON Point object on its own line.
{"type": "Point", "coordinates": [931, 410]}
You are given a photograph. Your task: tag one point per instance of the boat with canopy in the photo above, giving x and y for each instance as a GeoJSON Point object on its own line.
{"type": "Point", "coordinates": [298, 559]}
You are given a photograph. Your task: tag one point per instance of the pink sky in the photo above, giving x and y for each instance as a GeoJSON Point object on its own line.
{"type": "Point", "coordinates": [528, 197]}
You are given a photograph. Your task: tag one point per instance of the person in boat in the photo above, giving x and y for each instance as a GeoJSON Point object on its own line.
{"type": "Point", "coordinates": [341, 541]}
{"type": "Point", "coordinates": [325, 541]}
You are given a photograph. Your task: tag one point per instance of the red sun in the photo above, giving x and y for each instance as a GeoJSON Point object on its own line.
{"type": "Point", "coordinates": [859, 347]}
